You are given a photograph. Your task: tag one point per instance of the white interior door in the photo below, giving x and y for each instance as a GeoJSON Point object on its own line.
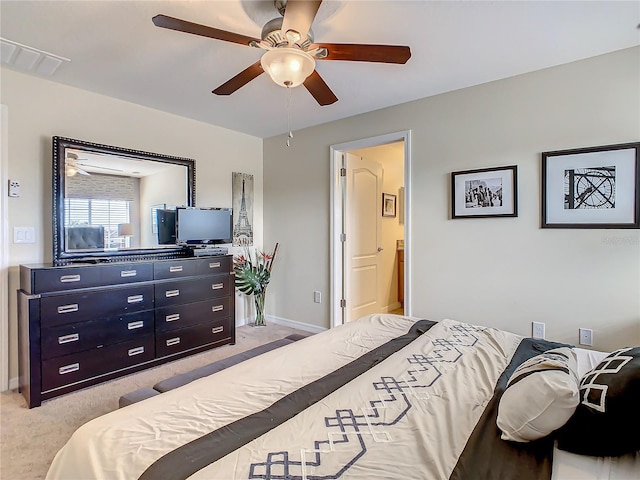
{"type": "Point", "coordinates": [362, 229]}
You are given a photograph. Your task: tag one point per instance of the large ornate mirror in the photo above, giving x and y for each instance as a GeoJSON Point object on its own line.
{"type": "Point", "coordinates": [107, 201]}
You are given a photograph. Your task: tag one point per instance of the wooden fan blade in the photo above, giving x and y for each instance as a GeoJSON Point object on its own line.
{"type": "Point", "coordinates": [319, 89]}
{"type": "Point", "coordinates": [299, 15]}
{"type": "Point", "coordinates": [365, 53]}
{"type": "Point", "coordinates": [240, 80]}
{"type": "Point", "coordinates": [172, 23]}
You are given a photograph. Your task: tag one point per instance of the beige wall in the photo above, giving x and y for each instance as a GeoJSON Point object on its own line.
{"type": "Point", "coordinates": [503, 272]}
{"type": "Point", "coordinates": [39, 109]}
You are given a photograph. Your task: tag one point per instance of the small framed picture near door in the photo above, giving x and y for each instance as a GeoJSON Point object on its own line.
{"type": "Point", "coordinates": [485, 192]}
{"type": "Point", "coordinates": [388, 205]}
{"type": "Point", "coordinates": [594, 187]}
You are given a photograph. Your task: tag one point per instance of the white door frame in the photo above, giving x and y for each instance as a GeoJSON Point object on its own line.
{"type": "Point", "coordinates": [4, 251]}
{"type": "Point", "coordinates": [335, 244]}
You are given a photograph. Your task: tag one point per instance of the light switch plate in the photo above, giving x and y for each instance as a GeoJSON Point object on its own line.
{"type": "Point", "coordinates": [24, 235]}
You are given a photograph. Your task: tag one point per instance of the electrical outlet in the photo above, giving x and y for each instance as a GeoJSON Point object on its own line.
{"type": "Point", "coordinates": [586, 336]}
{"type": "Point", "coordinates": [317, 297]}
{"type": "Point", "coordinates": [14, 188]}
{"type": "Point", "coordinates": [537, 330]}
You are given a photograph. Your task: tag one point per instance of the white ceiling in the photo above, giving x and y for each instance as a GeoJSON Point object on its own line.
{"type": "Point", "coordinates": [116, 50]}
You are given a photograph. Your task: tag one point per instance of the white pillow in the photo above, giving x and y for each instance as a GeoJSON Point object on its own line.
{"type": "Point", "coordinates": [540, 397]}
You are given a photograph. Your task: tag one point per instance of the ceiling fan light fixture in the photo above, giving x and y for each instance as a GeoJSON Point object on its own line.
{"type": "Point", "coordinates": [287, 66]}
{"type": "Point", "coordinates": [70, 170]}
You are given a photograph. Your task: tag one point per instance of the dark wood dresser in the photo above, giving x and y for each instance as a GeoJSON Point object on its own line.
{"type": "Point", "coordinates": [84, 324]}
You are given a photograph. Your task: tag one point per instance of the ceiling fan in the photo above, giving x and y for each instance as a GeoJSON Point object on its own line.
{"type": "Point", "coordinates": [290, 52]}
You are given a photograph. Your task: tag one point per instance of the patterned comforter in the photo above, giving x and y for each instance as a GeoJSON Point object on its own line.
{"type": "Point", "coordinates": [382, 397]}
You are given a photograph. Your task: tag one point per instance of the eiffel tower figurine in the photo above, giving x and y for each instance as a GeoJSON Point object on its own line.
{"type": "Point", "coordinates": [242, 231]}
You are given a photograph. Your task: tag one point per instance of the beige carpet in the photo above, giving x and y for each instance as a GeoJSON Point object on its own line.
{"type": "Point", "coordinates": [30, 438]}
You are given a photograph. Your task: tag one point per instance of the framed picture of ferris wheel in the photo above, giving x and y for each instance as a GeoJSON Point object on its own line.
{"type": "Point", "coordinates": [594, 187]}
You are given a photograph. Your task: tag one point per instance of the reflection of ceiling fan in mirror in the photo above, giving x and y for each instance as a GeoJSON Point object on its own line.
{"type": "Point", "coordinates": [290, 52]}
{"type": "Point", "coordinates": [71, 167]}
{"type": "Point", "coordinates": [83, 166]}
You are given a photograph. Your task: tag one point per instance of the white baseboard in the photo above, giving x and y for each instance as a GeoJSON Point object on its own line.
{"type": "Point", "coordinates": [282, 321]}
{"type": "Point", "coordinates": [294, 324]}
{"type": "Point", "coordinates": [242, 321]}
{"type": "Point", "coordinates": [13, 383]}
{"type": "Point", "coordinates": [391, 308]}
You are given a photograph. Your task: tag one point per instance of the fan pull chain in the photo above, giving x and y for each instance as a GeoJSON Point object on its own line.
{"type": "Point", "coordinates": [290, 134]}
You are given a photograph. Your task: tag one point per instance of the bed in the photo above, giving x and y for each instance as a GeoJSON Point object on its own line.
{"type": "Point", "coordinates": [384, 397]}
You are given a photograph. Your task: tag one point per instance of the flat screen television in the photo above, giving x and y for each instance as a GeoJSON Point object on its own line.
{"type": "Point", "coordinates": [197, 226]}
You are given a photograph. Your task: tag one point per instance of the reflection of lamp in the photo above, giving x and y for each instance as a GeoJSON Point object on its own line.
{"type": "Point", "coordinates": [288, 66]}
{"type": "Point", "coordinates": [125, 230]}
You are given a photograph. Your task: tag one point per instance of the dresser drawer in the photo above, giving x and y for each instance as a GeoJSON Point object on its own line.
{"type": "Point", "coordinates": [59, 279]}
{"type": "Point", "coordinates": [213, 265]}
{"type": "Point", "coordinates": [175, 268]}
{"type": "Point", "coordinates": [61, 371]}
{"type": "Point", "coordinates": [78, 337]}
{"type": "Point", "coordinates": [176, 341]}
{"type": "Point", "coordinates": [179, 316]}
{"type": "Point", "coordinates": [192, 290]}
{"type": "Point", "coordinates": [79, 307]}
{"type": "Point", "coordinates": [126, 273]}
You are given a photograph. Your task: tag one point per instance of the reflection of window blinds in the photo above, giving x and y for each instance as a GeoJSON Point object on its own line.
{"type": "Point", "coordinates": [104, 187]}
{"type": "Point", "coordinates": [110, 213]}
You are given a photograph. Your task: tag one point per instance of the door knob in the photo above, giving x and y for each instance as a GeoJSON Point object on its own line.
{"type": "Point", "coordinates": [380, 249]}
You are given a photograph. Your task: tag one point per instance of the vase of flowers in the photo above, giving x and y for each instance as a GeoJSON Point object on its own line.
{"type": "Point", "coordinates": [253, 273]}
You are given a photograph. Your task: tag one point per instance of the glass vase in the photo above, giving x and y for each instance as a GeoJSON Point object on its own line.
{"type": "Point", "coordinates": [259, 301]}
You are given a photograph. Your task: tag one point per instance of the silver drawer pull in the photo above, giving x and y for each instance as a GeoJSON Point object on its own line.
{"type": "Point", "coordinates": [74, 367]}
{"type": "Point", "coordinates": [172, 293]}
{"type": "Point", "coordinates": [72, 307]}
{"type": "Point", "coordinates": [135, 351]}
{"type": "Point", "coordinates": [135, 298]}
{"type": "Point", "coordinates": [73, 337]}
{"type": "Point", "coordinates": [134, 325]}
{"type": "Point", "coordinates": [217, 286]}
{"type": "Point", "coordinates": [217, 308]}
{"type": "Point", "coordinates": [173, 341]}
{"type": "Point", "coordinates": [175, 269]}
{"type": "Point", "coordinates": [173, 317]}
{"type": "Point", "coordinates": [214, 265]}
{"type": "Point", "coordinates": [128, 273]}
{"type": "Point", "coordinates": [69, 278]}
{"type": "Point", "coordinates": [217, 330]}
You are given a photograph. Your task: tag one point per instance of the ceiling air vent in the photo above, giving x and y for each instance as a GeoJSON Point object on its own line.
{"type": "Point", "coordinates": [29, 59]}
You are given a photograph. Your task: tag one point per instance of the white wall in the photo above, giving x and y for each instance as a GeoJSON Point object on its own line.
{"type": "Point", "coordinates": [39, 109]}
{"type": "Point", "coordinates": [153, 192]}
{"type": "Point", "coordinates": [503, 272]}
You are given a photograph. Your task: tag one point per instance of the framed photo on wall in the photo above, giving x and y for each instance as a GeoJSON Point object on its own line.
{"type": "Point", "coordinates": [388, 205]}
{"type": "Point", "coordinates": [594, 187]}
{"type": "Point", "coordinates": [485, 192]}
